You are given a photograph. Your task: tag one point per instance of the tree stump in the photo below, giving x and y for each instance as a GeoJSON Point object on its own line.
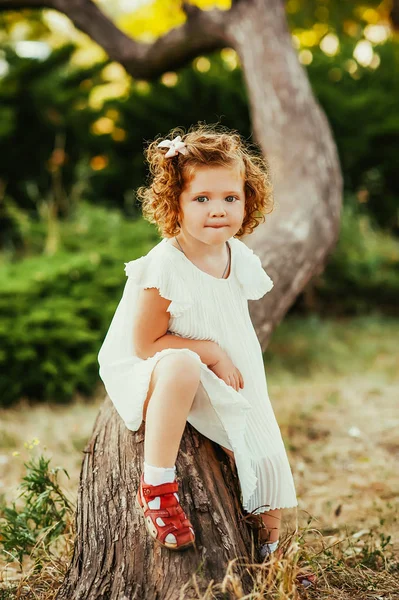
{"type": "Point", "coordinates": [114, 556]}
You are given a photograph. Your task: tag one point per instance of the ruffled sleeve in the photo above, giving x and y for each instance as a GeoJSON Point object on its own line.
{"type": "Point", "coordinates": [158, 271]}
{"type": "Point", "coordinates": [254, 280]}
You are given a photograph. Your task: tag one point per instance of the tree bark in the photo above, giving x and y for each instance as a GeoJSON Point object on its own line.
{"type": "Point", "coordinates": [113, 555]}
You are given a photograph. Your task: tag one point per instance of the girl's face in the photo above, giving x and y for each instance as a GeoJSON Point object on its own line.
{"type": "Point", "coordinates": [214, 196]}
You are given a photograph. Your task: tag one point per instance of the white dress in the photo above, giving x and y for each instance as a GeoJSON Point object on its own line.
{"type": "Point", "coordinates": [205, 307]}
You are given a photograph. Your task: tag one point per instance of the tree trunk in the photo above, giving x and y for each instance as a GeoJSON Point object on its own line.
{"type": "Point", "coordinates": [294, 134]}
{"type": "Point", "coordinates": [114, 558]}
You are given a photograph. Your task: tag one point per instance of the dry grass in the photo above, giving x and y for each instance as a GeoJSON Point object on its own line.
{"type": "Point", "coordinates": [340, 431]}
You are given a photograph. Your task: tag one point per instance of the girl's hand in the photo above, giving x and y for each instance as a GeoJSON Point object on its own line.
{"type": "Point", "coordinates": [225, 369]}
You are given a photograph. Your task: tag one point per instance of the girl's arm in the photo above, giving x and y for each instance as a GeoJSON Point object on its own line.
{"type": "Point", "coordinates": [150, 330]}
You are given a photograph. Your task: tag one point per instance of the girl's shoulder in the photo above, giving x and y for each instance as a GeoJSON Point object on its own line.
{"type": "Point", "coordinates": [135, 268]}
{"type": "Point", "coordinates": [157, 269]}
{"type": "Point", "coordinates": [166, 269]}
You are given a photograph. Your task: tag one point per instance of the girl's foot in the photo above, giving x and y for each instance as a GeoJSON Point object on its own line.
{"type": "Point", "coordinates": [267, 548]}
{"type": "Point", "coordinates": [167, 524]}
{"type": "Point", "coordinates": [307, 579]}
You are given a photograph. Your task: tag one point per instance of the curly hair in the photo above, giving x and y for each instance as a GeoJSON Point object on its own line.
{"type": "Point", "coordinates": [207, 145]}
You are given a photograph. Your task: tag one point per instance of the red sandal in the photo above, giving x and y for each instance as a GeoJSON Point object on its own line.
{"type": "Point", "coordinates": [170, 513]}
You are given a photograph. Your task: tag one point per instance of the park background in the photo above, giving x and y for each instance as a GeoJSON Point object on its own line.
{"type": "Point", "coordinates": [72, 130]}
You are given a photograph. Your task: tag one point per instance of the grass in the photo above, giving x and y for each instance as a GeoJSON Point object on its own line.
{"type": "Point", "coordinates": [305, 348]}
{"type": "Point", "coordinates": [334, 388]}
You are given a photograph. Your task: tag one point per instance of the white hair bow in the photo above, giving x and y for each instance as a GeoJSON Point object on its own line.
{"type": "Point", "coordinates": [174, 146]}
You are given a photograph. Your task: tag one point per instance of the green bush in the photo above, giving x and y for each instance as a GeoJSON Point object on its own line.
{"type": "Point", "coordinates": [55, 311]}
{"type": "Point", "coordinates": [362, 273]}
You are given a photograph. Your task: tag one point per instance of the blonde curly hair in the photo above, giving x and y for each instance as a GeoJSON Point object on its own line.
{"type": "Point", "coordinates": [207, 145]}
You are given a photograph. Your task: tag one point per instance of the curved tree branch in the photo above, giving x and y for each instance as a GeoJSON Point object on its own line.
{"type": "Point", "coordinates": [203, 31]}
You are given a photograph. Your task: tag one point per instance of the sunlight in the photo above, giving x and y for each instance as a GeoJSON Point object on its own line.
{"type": "Point", "coordinates": [31, 49]}
{"type": "Point", "coordinates": [230, 58]}
{"type": "Point", "coordinates": [305, 57]}
{"type": "Point", "coordinates": [202, 64]}
{"type": "Point", "coordinates": [4, 67]}
{"type": "Point", "coordinates": [377, 34]}
{"type": "Point", "coordinates": [363, 53]}
{"type": "Point", "coordinates": [330, 44]}
{"type": "Point", "coordinates": [170, 78]}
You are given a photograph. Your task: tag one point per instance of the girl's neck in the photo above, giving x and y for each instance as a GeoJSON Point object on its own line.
{"type": "Point", "coordinates": [195, 248]}
{"type": "Point", "coordinates": [214, 266]}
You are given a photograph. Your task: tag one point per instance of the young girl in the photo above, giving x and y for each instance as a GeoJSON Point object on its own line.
{"type": "Point", "coordinates": [181, 345]}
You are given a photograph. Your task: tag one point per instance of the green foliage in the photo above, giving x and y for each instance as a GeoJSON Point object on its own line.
{"type": "Point", "coordinates": [305, 13]}
{"type": "Point", "coordinates": [48, 134]}
{"type": "Point", "coordinates": [39, 101]}
{"type": "Point", "coordinates": [155, 108]}
{"type": "Point", "coordinates": [55, 311]}
{"type": "Point", "coordinates": [364, 116]}
{"type": "Point", "coordinates": [310, 346]}
{"type": "Point", "coordinates": [363, 271]}
{"type": "Point", "coordinates": [53, 97]}
{"type": "Point", "coordinates": [30, 529]}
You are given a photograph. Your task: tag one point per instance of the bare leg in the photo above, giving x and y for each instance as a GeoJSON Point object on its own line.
{"type": "Point", "coordinates": [173, 385]}
{"type": "Point", "coordinates": [272, 521]}
{"type": "Point", "coordinates": [174, 382]}
{"type": "Point", "coordinates": [271, 518]}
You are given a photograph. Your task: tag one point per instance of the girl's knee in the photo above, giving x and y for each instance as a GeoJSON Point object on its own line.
{"type": "Point", "coordinates": [177, 367]}
{"type": "Point", "coordinates": [180, 367]}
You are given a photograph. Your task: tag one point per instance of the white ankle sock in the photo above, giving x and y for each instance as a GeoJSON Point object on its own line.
{"type": "Point", "coordinates": [268, 548]}
{"type": "Point", "coordinates": [157, 476]}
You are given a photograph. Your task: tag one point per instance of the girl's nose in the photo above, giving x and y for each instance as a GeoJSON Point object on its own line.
{"type": "Point", "coordinates": [218, 210]}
